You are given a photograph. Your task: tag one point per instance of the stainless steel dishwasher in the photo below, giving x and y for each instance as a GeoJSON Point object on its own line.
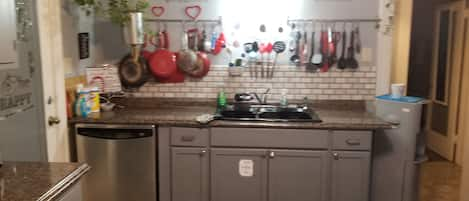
{"type": "Point", "coordinates": [122, 160]}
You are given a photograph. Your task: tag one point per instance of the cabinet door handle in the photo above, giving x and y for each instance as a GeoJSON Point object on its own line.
{"type": "Point", "coordinates": [187, 138]}
{"type": "Point", "coordinates": [336, 156]}
{"type": "Point", "coordinates": [353, 142]}
{"type": "Point", "coordinates": [271, 154]}
{"type": "Point", "coordinates": [203, 152]}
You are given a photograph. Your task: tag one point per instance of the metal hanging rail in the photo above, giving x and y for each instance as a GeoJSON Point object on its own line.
{"type": "Point", "coordinates": [290, 21]}
{"type": "Point", "coordinates": [217, 21]}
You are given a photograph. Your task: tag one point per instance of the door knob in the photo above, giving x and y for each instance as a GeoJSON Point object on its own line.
{"type": "Point", "coordinates": [336, 156]}
{"type": "Point", "coordinates": [53, 120]}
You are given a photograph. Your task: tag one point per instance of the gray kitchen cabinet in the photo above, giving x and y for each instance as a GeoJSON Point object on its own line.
{"type": "Point", "coordinates": [233, 164]}
{"type": "Point", "coordinates": [238, 174]}
{"type": "Point", "coordinates": [350, 176]}
{"type": "Point", "coordinates": [189, 174]}
{"type": "Point", "coordinates": [297, 175]}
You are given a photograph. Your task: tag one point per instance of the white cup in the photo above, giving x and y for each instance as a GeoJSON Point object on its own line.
{"type": "Point", "coordinates": [397, 90]}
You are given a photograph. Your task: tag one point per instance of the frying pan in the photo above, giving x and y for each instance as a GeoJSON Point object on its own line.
{"type": "Point", "coordinates": [162, 62]}
{"type": "Point", "coordinates": [186, 58]}
{"type": "Point", "coordinates": [202, 63]}
{"type": "Point", "coordinates": [133, 71]}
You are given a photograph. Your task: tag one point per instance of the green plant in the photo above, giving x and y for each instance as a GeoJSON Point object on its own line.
{"type": "Point", "coordinates": [116, 10]}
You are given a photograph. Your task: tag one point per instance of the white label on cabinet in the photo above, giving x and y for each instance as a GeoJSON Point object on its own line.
{"type": "Point", "coordinates": [246, 168]}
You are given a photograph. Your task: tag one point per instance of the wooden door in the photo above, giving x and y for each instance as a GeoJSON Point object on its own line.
{"type": "Point", "coordinates": [53, 82]}
{"type": "Point", "coordinates": [238, 174]}
{"type": "Point", "coordinates": [189, 174]}
{"type": "Point", "coordinates": [350, 176]}
{"type": "Point", "coordinates": [464, 121]}
{"type": "Point", "coordinates": [446, 81]}
{"type": "Point", "coordinates": [296, 175]}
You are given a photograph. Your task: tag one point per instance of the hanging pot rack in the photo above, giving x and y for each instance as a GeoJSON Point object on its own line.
{"type": "Point", "coordinates": [211, 21]}
{"type": "Point", "coordinates": [349, 20]}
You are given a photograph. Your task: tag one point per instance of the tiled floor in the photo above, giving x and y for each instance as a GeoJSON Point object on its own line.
{"type": "Point", "coordinates": [439, 180]}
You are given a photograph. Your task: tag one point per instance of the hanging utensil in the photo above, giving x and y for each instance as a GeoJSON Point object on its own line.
{"type": "Point", "coordinates": [293, 36]}
{"type": "Point", "coordinates": [325, 49]}
{"type": "Point", "coordinates": [304, 49]}
{"type": "Point", "coordinates": [351, 61]}
{"type": "Point", "coordinates": [248, 50]}
{"type": "Point", "coordinates": [253, 55]}
{"type": "Point", "coordinates": [358, 39]}
{"type": "Point", "coordinates": [333, 46]}
{"type": "Point", "coordinates": [295, 58]}
{"type": "Point", "coordinates": [278, 47]}
{"type": "Point", "coordinates": [342, 63]}
{"type": "Point", "coordinates": [269, 50]}
{"type": "Point", "coordinates": [317, 58]}
{"type": "Point", "coordinates": [309, 63]}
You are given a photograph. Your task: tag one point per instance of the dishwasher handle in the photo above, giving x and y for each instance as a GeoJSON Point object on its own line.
{"type": "Point", "coordinates": [115, 134]}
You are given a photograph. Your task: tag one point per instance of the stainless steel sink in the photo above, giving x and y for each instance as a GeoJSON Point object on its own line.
{"type": "Point", "coordinates": [271, 113]}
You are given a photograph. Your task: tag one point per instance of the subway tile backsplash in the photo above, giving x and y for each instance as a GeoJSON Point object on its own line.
{"type": "Point", "coordinates": [333, 85]}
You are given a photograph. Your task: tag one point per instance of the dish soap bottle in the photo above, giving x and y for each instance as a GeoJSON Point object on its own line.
{"type": "Point", "coordinates": [283, 98]}
{"type": "Point", "coordinates": [221, 100]}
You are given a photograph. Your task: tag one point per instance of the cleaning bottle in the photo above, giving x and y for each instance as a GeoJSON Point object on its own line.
{"type": "Point", "coordinates": [221, 100]}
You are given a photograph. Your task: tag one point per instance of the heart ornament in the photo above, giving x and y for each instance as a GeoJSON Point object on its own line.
{"type": "Point", "coordinates": [157, 11]}
{"type": "Point", "coordinates": [193, 12]}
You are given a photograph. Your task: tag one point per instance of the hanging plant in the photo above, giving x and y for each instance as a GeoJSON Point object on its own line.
{"type": "Point", "coordinates": [115, 10]}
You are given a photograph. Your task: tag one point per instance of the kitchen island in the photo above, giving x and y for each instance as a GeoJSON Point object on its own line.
{"type": "Point", "coordinates": [41, 181]}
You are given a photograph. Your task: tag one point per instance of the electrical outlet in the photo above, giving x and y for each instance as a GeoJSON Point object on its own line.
{"type": "Point", "coordinates": [366, 55]}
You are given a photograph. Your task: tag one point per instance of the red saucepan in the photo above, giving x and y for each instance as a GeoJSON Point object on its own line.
{"type": "Point", "coordinates": [162, 62]}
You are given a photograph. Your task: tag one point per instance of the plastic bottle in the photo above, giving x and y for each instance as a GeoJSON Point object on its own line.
{"type": "Point", "coordinates": [93, 100]}
{"type": "Point", "coordinates": [283, 98]}
{"type": "Point", "coordinates": [76, 105]}
{"type": "Point", "coordinates": [221, 100]}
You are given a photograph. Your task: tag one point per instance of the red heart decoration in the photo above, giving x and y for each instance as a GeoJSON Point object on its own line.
{"type": "Point", "coordinates": [193, 11]}
{"type": "Point", "coordinates": [158, 11]}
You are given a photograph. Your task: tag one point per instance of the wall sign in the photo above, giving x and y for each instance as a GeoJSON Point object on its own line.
{"type": "Point", "coordinates": [84, 45]}
{"type": "Point", "coordinates": [15, 94]}
{"type": "Point", "coordinates": [105, 77]}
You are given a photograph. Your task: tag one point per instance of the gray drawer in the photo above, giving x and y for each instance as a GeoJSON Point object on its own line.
{"type": "Point", "coordinates": [270, 138]}
{"type": "Point", "coordinates": [352, 140]}
{"type": "Point", "coordinates": [189, 137]}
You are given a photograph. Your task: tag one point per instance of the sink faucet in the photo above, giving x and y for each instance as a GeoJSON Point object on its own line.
{"type": "Point", "coordinates": [263, 98]}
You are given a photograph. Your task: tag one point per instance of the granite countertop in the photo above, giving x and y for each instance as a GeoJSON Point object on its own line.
{"type": "Point", "coordinates": [335, 115]}
{"type": "Point", "coordinates": [38, 181]}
